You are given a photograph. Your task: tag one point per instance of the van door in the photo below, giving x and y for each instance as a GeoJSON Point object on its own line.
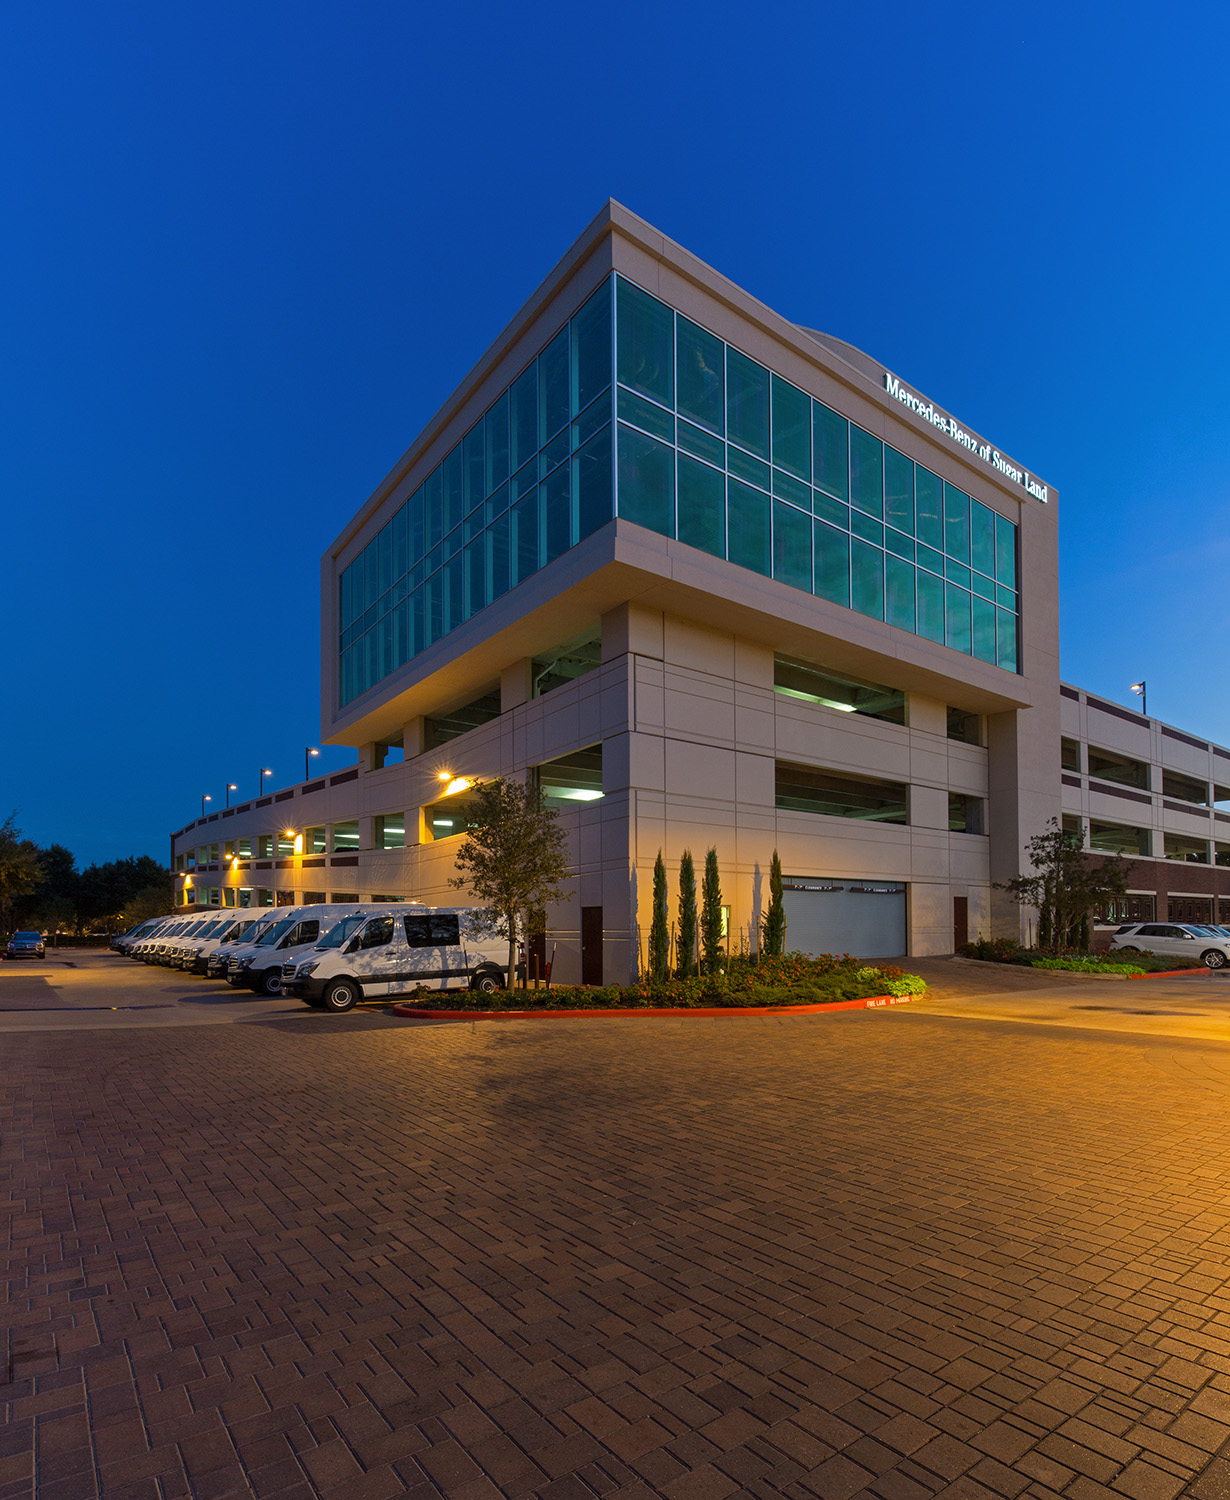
{"type": "Point", "coordinates": [372, 956]}
{"type": "Point", "coordinates": [435, 956]}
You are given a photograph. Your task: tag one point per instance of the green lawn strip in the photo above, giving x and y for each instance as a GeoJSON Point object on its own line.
{"type": "Point", "coordinates": [1101, 961]}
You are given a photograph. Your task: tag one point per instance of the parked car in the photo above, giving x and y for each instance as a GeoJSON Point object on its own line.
{"type": "Point", "coordinates": [1187, 942]}
{"type": "Point", "coordinates": [26, 945]}
{"type": "Point", "coordinates": [380, 955]}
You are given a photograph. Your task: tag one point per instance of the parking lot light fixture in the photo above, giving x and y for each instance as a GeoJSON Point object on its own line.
{"type": "Point", "coordinates": [1139, 687]}
{"type": "Point", "coordinates": [264, 773]}
{"type": "Point", "coordinates": [308, 752]}
{"type": "Point", "coordinates": [205, 797]}
{"type": "Point", "coordinates": [231, 786]}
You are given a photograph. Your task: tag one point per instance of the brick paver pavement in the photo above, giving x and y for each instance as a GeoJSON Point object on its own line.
{"type": "Point", "coordinates": [887, 1255]}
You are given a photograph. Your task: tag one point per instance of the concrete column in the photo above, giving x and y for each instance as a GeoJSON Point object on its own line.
{"type": "Point", "coordinates": [632, 628]}
{"type": "Point", "coordinates": [413, 733]}
{"type": "Point", "coordinates": [516, 683]}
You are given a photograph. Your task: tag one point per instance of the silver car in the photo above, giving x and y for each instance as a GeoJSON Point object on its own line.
{"type": "Point", "coordinates": [1186, 942]}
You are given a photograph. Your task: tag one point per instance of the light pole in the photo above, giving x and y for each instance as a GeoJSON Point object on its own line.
{"type": "Point", "coordinates": [205, 797]}
{"type": "Point", "coordinates": [264, 773]}
{"type": "Point", "coordinates": [1139, 687]}
{"type": "Point", "coordinates": [308, 752]}
{"type": "Point", "coordinates": [231, 786]}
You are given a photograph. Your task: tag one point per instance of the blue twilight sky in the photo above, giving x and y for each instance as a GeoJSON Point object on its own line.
{"type": "Point", "coordinates": [249, 248]}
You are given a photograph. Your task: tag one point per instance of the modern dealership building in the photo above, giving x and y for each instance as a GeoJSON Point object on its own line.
{"type": "Point", "coordinates": [709, 579]}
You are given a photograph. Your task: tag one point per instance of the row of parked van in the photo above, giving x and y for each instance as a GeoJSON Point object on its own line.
{"type": "Point", "coordinates": [331, 957]}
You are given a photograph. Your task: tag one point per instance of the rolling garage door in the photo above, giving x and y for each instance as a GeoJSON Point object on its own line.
{"type": "Point", "coordinates": [862, 917]}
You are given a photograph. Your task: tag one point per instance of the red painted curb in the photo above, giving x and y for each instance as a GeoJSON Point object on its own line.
{"type": "Point", "coordinates": [873, 1002]}
{"type": "Point", "coordinates": [1170, 973]}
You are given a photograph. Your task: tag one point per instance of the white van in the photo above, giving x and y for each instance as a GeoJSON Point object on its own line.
{"type": "Point", "coordinates": [245, 936]}
{"type": "Point", "coordinates": [386, 954]}
{"type": "Point", "coordinates": [186, 944]}
{"type": "Point", "coordinates": [232, 927]}
{"type": "Point", "coordinates": [150, 947]}
{"type": "Point", "coordinates": [126, 940]}
{"type": "Point", "coordinates": [259, 965]}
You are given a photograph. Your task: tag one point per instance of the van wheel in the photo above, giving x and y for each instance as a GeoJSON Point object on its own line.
{"type": "Point", "coordinates": [342, 994]}
{"type": "Point", "coordinates": [1213, 959]}
{"type": "Point", "coordinates": [488, 982]}
{"type": "Point", "coordinates": [270, 983]}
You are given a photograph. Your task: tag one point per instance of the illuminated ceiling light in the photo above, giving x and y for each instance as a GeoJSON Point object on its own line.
{"type": "Point", "coordinates": [444, 776]}
{"type": "Point", "coordinates": [580, 794]}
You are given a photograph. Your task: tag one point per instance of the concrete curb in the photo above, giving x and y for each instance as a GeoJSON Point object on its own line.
{"type": "Point", "coordinates": [874, 1002]}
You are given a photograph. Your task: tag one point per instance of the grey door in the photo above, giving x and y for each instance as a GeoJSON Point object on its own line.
{"type": "Point", "coordinates": [865, 918]}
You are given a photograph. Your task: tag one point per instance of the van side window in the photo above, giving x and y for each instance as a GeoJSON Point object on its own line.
{"type": "Point", "coordinates": [444, 929]}
{"type": "Point", "coordinates": [308, 932]}
{"type": "Point", "coordinates": [418, 932]}
{"type": "Point", "coordinates": [377, 933]}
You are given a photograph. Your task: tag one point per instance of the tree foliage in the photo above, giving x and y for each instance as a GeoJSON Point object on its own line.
{"type": "Point", "coordinates": [153, 901]}
{"type": "Point", "coordinates": [659, 927]}
{"type": "Point", "coordinates": [711, 955]}
{"type": "Point", "coordinates": [1067, 884]}
{"type": "Point", "coordinates": [513, 859]}
{"type": "Point", "coordinates": [20, 868]}
{"type": "Point", "coordinates": [773, 932]}
{"type": "Point", "coordinates": [686, 966]}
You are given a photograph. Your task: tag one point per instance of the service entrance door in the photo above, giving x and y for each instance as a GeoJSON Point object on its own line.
{"type": "Point", "coordinates": [865, 918]}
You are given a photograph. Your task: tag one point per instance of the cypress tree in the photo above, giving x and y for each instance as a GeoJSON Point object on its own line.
{"type": "Point", "coordinates": [687, 915]}
{"type": "Point", "coordinates": [711, 917]}
{"type": "Point", "coordinates": [774, 929]}
{"type": "Point", "coordinates": [659, 929]}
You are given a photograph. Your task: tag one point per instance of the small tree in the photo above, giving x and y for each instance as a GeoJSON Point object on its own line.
{"type": "Point", "coordinates": [1067, 884]}
{"type": "Point", "coordinates": [659, 928]}
{"type": "Point", "coordinates": [153, 901]}
{"type": "Point", "coordinates": [687, 915]}
{"type": "Point", "coordinates": [711, 916]}
{"type": "Point", "coordinates": [20, 868]}
{"type": "Point", "coordinates": [773, 941]}
{"type": "Point", "coordinates": [514, 859]}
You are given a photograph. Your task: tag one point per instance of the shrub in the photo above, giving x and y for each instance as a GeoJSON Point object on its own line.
{"type": "Point", "coordinates": [995, 951]}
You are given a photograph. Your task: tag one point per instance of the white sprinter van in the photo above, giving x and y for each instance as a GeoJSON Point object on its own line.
{"type": "Point", "coordinates": [234, 927]}
{"type": "Point", "coordinates": [245, 936]}
{"type": "Point", "coordinates": [259, 966]}
{"type": "Point", "coordinates": [383, 955]}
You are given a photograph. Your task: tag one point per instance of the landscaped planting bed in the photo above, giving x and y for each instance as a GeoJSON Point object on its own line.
{"type": "Point", "coordinates": [1100, 961]}
{"type": "Point", "coordinates": [795, 979]}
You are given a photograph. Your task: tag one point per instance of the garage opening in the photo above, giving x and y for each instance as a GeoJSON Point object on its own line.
{"type": "Point", "coordinates": [865, 918]}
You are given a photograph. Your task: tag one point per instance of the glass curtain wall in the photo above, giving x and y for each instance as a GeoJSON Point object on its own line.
{"type": "Point", "coordinates": [718, 451]}
{"type": "Point", "coordinates": [530, 479]}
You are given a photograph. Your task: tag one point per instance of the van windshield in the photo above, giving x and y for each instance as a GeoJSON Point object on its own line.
{"type": "Point", "coordinates": [347, 927]}
{"type": "Point", "coordinates": [268, 939]}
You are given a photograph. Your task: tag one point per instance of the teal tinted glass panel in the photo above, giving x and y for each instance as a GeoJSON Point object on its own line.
{"type": "Point", "coordinates": [497, 555]}
{"type": "Point", "coordinates": [792, 546]}
{"type": "Point", "coordinates": [454, 592]}
{"type": "Point", "coordinates": [556, 493]}
{"type": "Point", "coordinates": [746, 467]}
{"type": "Point", "coordinates": [929, 507]}
{"type": "Point", "coordinates": [791, 428]}
{"type": "Point", "coordinates": [866, 472]}
{"type": "Point", "coordinates": [787, 487]}
{"type": "Point", "coordinates": [433, 499]}
{"type": "Point", "coordinates": [476, 576]}
{"type": "Point", "coordinates": [701, 375]}
{"type": "Point", "coordinates": [831, 510]}
{"type": "Point", "coordinates": [1005, 552]}
{"type": "Point", "coordinates": [475, 464]}
{"type": "Point", "coordinates": [702, 506]}
{"type": "Point", "coordinates": [646, 481]}
{"type": "Point", "coordinates": [930, 606]}
{"type": "Point", "coordinates": [592, 482]}
{"type": "Point", "coordinates": [702, 443]}
{"type": "Point", "coordinates": [747, 403]}
{"type": "Point", "coordinates": [454, 477]}
{"type": "Point", "coordinates": [867, 579]}
{"type": "Point", "coordinates": [929, 559]}
{"type": "Point", "coordinates": [956, 572]}
{"type": "Point", "coordinates": [898, 592]}
{"type": "Point", "coordinates": [830, 435]}
{"type": "Point", "coordinates": [553, 387]}
{"type": "Point", "coordinates": [523, 417]}
{"type": "Point", "coordinates": [983, 587]}
{"type": "Point", "coordinates": [898, 490]}
{"type": "Point", "coordinates": [556, 451]}
{"type": "Point", "coordinates": [401, 561]}
{"type": "Point", "coordinates": [525, 537]}
{"type": "Point", "coordinates": [1006, 634]}
{"type": "Point", "coordinates": [956, 610]}
{"type": "Point", "coordinates": [956, 523]}
{"type": "Point", "coordinates": [982, 538]}
{"type": "Point", "coordinates": [983, 629]}
{"type": "Point", "coordinates": [1005, 598]}
{"type": "Point", "coordinates": [646, 343]}
{"type": "Point", "coordinates": [642, 413]}
{"type": "Point", "coordinates": [497, 444]}
{"type": "Point", "coordinates": [591, 362]}
{"type": "Point", "coordinates": [596, 414]}
{"type": "Point", "coordinates": [747, 526]}
{"type": "Point", "coordinates": [867, 527]}
{"type": "Point", "coordinates": [903, 546]}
